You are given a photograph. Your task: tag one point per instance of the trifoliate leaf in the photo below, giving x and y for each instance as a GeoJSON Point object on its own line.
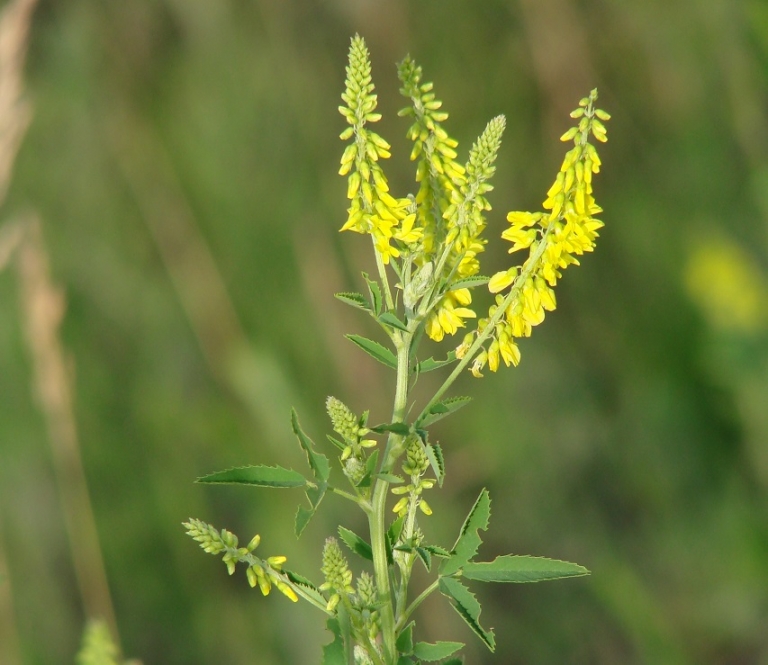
{"type": "Point", "coordinates": [258, 476]}
{"type": "Point", "coordinates": [469, 539]}
{"type": "Point", "coordinates": [438, 651]}
{"type": "Point", "coordinates": [465, 603]}
{"type": "Point", "coordinates": [356, 543]}
{"type": "Point", "coordinates": [425, 556]}
{"type": "Point", "coordinates": [514, 568]}
{"type": "Point", "coordinates": [375, 350]}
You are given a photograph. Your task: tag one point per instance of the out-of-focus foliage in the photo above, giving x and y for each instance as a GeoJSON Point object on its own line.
{"type": "Point", "coordinates": [633, 436]}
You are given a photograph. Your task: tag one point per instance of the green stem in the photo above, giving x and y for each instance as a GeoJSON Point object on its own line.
{"type": "Point", "coordinates": [377, 515]}
{"type": "Point", "coordinates": [403, 619]}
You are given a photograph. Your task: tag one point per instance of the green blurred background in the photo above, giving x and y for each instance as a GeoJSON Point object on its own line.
{"type": "Point", "coordinates": [183, 159]}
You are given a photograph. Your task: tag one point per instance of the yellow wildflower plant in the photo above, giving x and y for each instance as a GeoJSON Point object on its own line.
{"type": "Point", "coordinates": [428, 246]}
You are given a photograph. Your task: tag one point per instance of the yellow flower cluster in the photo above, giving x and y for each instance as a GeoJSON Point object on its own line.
{"type": "Point", "coordinates": [554, 241]}
{"type": "Point", "coordinates": [373, 209]}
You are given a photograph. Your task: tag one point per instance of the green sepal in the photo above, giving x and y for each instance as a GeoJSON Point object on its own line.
{"type": "Point", "coordinates": [390, 478]}
{"type": "Point", "coordinates": [519, 568]}
{"type": "Point", "coordinates": [465, 603]}
{"type": "Point", "coordinates": [354, 299]}
{"type": "Point", "coordinates": [375, 292]}
{"type": "Point", "coordinates": [356, 543]}
{"type": "Point", "coordinates": [442, 409]}
{"type": "Point", "coordinates": [469, 539]}
{"type": "Point", "coordinates": [404, 641]}
{"type": "Point", "coordinates": [431, 364]}
{"type": "Point", "coordinates": [403, 429]}
{"type": "Point", "coordinates": [437, 651]}
{"type": "Point", "coordinates": [335, 652]}
{"type": "Point", "coordinates": [470, 282]}
{"type": "Point", "coordinates": [436, 461]}
{"type": "Point", "coordinates": [375, 350]}
{"type": "Point", "coordinates": [258, 476]}
{"type": "Point", "coordinates": [425, 556]}
{"type": "Point", "coordinates": [390, 320]}
{"type": "Point", "coordinates": [320, 467]}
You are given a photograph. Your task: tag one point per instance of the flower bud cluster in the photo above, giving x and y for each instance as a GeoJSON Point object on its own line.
{"type": "Point", "coordinates": [338, 576]}
{"type": "Point", "coordinates": [415, 465]}
{"type": "Point", "coordinates": [352, 430]}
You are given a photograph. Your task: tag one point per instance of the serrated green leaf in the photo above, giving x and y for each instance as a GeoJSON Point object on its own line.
{"type": "Point", "coordinates": [443, 409]}
{"type": "Point", "coordinates": [425, 556]}
{"type": "Point", "coordinates": [334, 653]}
{"type": "Point", "coordinates": [308, 587]}
{"type": "Point", "coordinates": [389, 319]}
{"type": "Point", "coordinates": [465, 603]}
{"type": "Point", "coordinates": [375, 350]}
{"type": "Point", "coordinates": [403, 429]}
{"type": "Point", "coordinates": [437, 651]}
{"type": "Point", "coordinates": [317, 462]}
{"type": "Point", "coordinates": [431, 364]}
{"type": "Point", "coordinates": [390, 478]}
{"type": "Point", "coordinates": [437, 551]}
{"type": "Point", "coordinates": [303, 515]}
{"type": "Point", "coordinates": [469, 539]}
{"type": "Point", "coordinates": [404, 641]}
{"type": "Point", "coordinates": [336, 442]}
{"type": "Point", "coordinates": [356, 543]}
{"type": "Point", "coordinates": [470, 282]}
{"type": "Point", "coordinates": [375, 292]}
{"type": "Point", "coordinates": [258, 476]}
{"type": "Point", "coordinates": [436, 461]}
{"type": "Point", "coordinates": [518, 568]}
{"type": "Point", "coordinates": [354, 299]}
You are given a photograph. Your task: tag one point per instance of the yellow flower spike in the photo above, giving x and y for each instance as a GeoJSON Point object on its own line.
{"type": "Point", "coordinates": [287, 591]}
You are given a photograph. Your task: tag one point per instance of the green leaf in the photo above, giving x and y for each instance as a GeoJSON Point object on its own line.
{"type": "Point", "coordinates": [336, 442]}
{"type": "Point", "coordinates": [434, 550]}
{"type": "Point", "coordinates": [436, 461]}
{"type": "Point", "coordinates": [356, 543]}
{"type": "Point", "coordinates": [404, 641]}
{"type": "Point", "coordinates": [431, 364]}
{"type": "Point", "coordinates": [404, 660]}
{"type": "Point", "coordinates": [259, 476]}
{"type": "Point", "coordinates": [375, 291]}
{"type": "Point", "coordinates": [321, 469]}
{"type": "Point", "coordinates": [403, 429]}
{"type": "Point", "coordinates": [442, 409]}
{"type": "Point", "coordinates": [390, 478]}
{"type": "Point", "coordinates": [425, 556]}
{"type": "Point", "coordinates": [469, 538]}
{"type": "Point", "coordinates": [390, 320]}
{"type": "Point", "coordinates": [334, 653]}
{"type": "Point", "coordinates": [470, 282]}
{"type": "Point", "coordinates": [317, 462]}
{"type": "Point", "coordinates": [430, 652]}
{"type": "Point", "coordinates": [375, 350]}
{"type": "Point", "coordinates": [370, 467]}
{"type": "Point", "coordinates": [465, 603]}
{"type": "Point", "coordinates": [354, 299]}
{"type": "Point", "coordinates": [514, 568]}
{"type": "Point", "coordinates": [393, 534]}
{"type": "Point", "coordinates": [308, 587]}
